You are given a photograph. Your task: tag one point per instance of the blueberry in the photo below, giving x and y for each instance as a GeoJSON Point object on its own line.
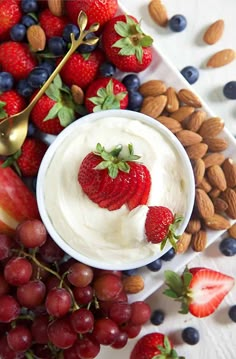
{"type": "Point", "coordinates": [17, 32]}
{"type": "Point", "coordinates": [130, 272]}
{"type": "Point", "coordinates": [57, 46]}
{"type": "Point", "coordinates": [23, 88]}
{"type": "Point", "coordinates": [228, 246]}
{"type": "Point", "coordinates": [88, 48]}
{"type": "Point", "coordinates": [107, 69]}
{"type": "Point", "coordinates": [28, 20]}
{"type": "Point", "coordinates": [31, 130]}
{"type": "Point", "coordinates": [155, 266]}
{"type": "Point", "coordinates": [131, 82]}
{"type": "Point", "coordinates": [190, 73]}
{"type": "Point", "coordinates": [157, 317]}
{"type": "Point", "coordinates": [6, 81]}
{"type": "Point", "coordinates": [135, 100]}
{"type": "Point", "coordinates": [232, 313]}
{"type": "Point", "coordinates": [37, 77]}
{"type": "Point", "coordinates": [168, 255]}
{"type": "Point", "coordinates": [68, 29]}
{"type": "Point", "coordinates": [229, 90]}
{"type": "Point", "coordinates": [190, 335]}
{"type": "Point", "coordinates": [49, 66]}
{"type": "Point", "coordinates": [29, 5]}
{"type": "Point", "coordinates": [177, 23]}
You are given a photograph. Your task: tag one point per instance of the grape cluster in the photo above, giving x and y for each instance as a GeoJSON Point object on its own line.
{"type": "Point", "coordinates": [53, 306]}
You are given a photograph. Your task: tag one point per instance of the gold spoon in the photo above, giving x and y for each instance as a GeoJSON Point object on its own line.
{"type": "Point", "coordinates": [13, 129]}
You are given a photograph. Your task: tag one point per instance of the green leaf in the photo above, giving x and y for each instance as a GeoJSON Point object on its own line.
{"type": "Point", "coordinates": [99, 148]}
{"type": "Point", "coordinates": [174, 281]}
{"type": "Point", "coordinates": [97, 108]}
{"type": "Point", "coordinates": [170, 293]}
{"type": "Point", "coordinates": [146, 41]}
{"type": "Point", "coordinates": [113, 171]}
{"type": "Point", "coordinates": [96, 100]}
{"type": "Point", "coordinates": [106, 155]}
{"type": "Point", "coordinates": [120, 96]}
{"type": "Point", "coordinates": [86, 55]}
{"type": "Point", "coordinates": [139, 53]}
{"type": "Point", "coordinates": [122, 28]}
{"type": "Point", "coordinates": [109, 88]}
{"type": "Point", "coordinates": [124, 166]}
{"type": "Point", "coordinates": [102, 165]}
{"type": "Point", "coordinates": [116, 151]}
{"type": "Point", "coordinates": [57, 81]}
{"type": "Point", "coordinates": [53, 92]}
{"type": "Point", "coordinates": [187, 277]}
{"type": "Point", "coordinates": [130, 21]}
{"type": "Point", "coordinates": [102, 92]}
{"type": "Point", "coordinates": [127, 51]}
{"type": "Point", "coordinates": [184, 308]}
{"type": "Point", "coordinates": [66, 116]}
{"type": "Point", "coordinates": [53, 112]}
{"type": "Point", "coordinates": [121, 43]}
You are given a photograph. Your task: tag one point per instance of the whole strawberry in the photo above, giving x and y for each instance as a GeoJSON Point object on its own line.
{"type": "Point", "coordinates": [11, 103]}
{"type": "Point", "coordinates": [106, 93]}
{"type": "Point", "coordinates": [16, 58]}
{"type": "Point", "coordinates": [51, 24]}
{"type": "Point", "coordinates": [97, 11]}
{"type": "Point", "coordinates": [160, 225]}
{"type": "Point", "coordinates": [10, 15]}
{"type": "Point", "coordinates": [125, 44]}
{"type": "Point", "coordinates": [82, 69]}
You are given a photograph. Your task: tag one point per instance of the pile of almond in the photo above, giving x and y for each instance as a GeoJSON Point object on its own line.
{"type": "Point", "coordinates": [203, 139]}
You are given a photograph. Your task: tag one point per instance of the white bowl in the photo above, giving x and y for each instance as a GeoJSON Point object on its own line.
{"type": "Point", "coordinates": [51, 164]}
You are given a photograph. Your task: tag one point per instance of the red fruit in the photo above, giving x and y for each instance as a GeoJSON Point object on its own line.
{"type": "Point", "coordinates": [125, 45]}
{"type": "Point", "coordinates": [106, 94]}
{"type": "Point", "coordinates": [10, 103]}
{"type": "Point", "coordinates": [142, 187]}
{"type": "Point", "coordinates": [97, 11]}
{"type": "Point", "coordinates": [16, 58]}
{"type": "Point", "coordinates": [82, 69]}
{"type": "Point", "coordinates": [152, 345]}
{"type": "Point", "coordinates": [200, 290]}
{"type": "Point", "coordinates": [16, 201]}
{"type": "Point", "coordinates": [160, 225]}
{"type": "Point", "coordinates": [10, 15]}
{"type": "Point", "coordinates": [51, 24]}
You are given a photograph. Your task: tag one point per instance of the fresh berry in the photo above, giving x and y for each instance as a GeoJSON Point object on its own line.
{"type": "Point", "coordinates": [28, 20]}
{"type": "Point", "coordinates": [11, 103]}
{"type": "Point", "coordinates": [153, 345]}
{"type": "Point", "coordinates": [18, 32]}
{"type": "Point", "coordinates": [111, 180]}
{"type": "Point", "coordinates": [68, 30]}
{"type": "Point", "coordinates": [51, 24]}
{"type": "Point", "coordinates": [135, 101]}
{"type": "Point", "coordinates": [106, 94]}
{"type": "Point", "coordinates": [157, 317]}
{"type": "Point", "coordinates": [200, 290]}
{"type": "Point", "coordinates": [29, 5]}
{"type": "Point", "coordinates": [16, 58]}
{"type": "Point", "coordinates": [107, 69]}
{"type": "Point", "coordinates": [23, 88]}
{"type": "Point", "coordinates": [100, 12]}
{"type": "Point", "coordinates": [229, 90]}
{"type": "Point", "coordinates": [125, 45]}
{"type": "Point", "coordinates": [130, 272]}
{"type": "Point", "coordinates": [10, 15]}
{"type": "Point", "coordinates": [131, 82]}
{"type": "Point", "coordinates": [6, 81]}
{"type": "Point", "coordinates": [160, 225]}
{"type": "Point", "coordinates": [82, 69]}
{"type": "Point", "coordinates": [228, 246]}
{"type": "Point", "coordinates": [57, 45]}
{"type": "Point", "coordinates": [48, 65]}
{"type": "Point", "coordinates": [37, 77]}
{"type": "Point", "coordinates": [232, 313]}
{"type": "Point", "coordinates": [86, 48]}
{"type": "Point", "coordinates": [177, 23]}
{"type": "Point", "coordinates": [190, 335]}
{"type": "Point", "coordinates": [170, 254]}
{"type": "Point", "coordinates": [155, 266]}
{"type": "Point", "coordinates": [190, 73]}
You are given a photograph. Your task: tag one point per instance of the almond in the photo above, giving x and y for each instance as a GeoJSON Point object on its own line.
{"type": "Point", "coordinates": [204, 204]}
{"type": "Point", "coordinates": [182, 113]}
{"type": "Point", "coordinates": [77, 94]}
{"type": "Point", "coordinates": [199, 241]}
{"type": "Point", "coordinates": [56, 7]}
{"type": "Point", "coordinates": [198, 170]}
{"type": "Point", "coordinates": [152, 88]}
{"type": "Point", "coordinates": [183, 243]}
{"type": "Point", "coordinates": [133, 284]}
{"type": "Point", "coordinates": [221, 58]}
{"type": "Point", "coordinates": [196, 151]}
{"type": "Point", "coordinates": [217, 222]}
{"type": "Point", "coordinates": [189, 98]}
{"type": "Point", "coordinates": [195, 120]}
{"type": "Point", "coordinates": [154, 107]}
{"type": "Point", "coordinates": [188, 138]}
{"type": "Point", "coordinates": [172, 103]}
{"type": "Point", "coordinates": [173, 125]}
{"type": "Point", "coordinates": [211, 127]}
{"type": "Point", "coordinates": [194, 225]}
{"type": "Point", "coordinates": [220, 205]}
{"type": "Point", "coordinates": [214, 193]}
{"type": "Point", "coordinates": [212, 159]}
{"type": "Point", "coordinates": [36, 37]}
{"type": "Point", "coordinates": [229, 168]}
{"type": "Point", "coordinates": [229, 195]}
{"type": "Point", "coordinates": [158, 12]}
{"type": "Point", "coordinates": [232, 231]}
{"type": "Point", "coordinates": [216, 144]}
{"type": "Point", "coordinates": [216, 177]}
{"type": "Point", "coordinates": [214, 32]}
{"type": "Point", "coordinates": [205, 185]}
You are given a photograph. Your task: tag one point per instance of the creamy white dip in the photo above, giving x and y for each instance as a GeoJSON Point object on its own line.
{"type": "Point", "coordinates": [99, 233]}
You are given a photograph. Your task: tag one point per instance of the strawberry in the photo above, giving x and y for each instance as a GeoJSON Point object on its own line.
{"type": "Point", "coordinates": [108, 179]}
{"type": "Point", "coordinates": [82, 69]}
{"type": "Point", "coordinates": [11, 103]}
{"type": "Point", "coordinates": [16, 58]}
{"type": "Point", "coordinates": [10, 15]}
{"type": "Point", "coordinates": [17, 202]}
{"type": "Point", "coordinates": [200, 290]}
{"type": "Point", "coordinates": [125, 44]}
{"type": "Point", "coordinates": [106, 93]}
{"type": "Point", "coordinates": [97, 11]}
{"type": "Point", "coordinates": [154, 345]}
{"type": "Point", "coordinates": [160, 225]}
{"type": "Point", "coordinates": [51, 24]}
{"type": "Point", "coordinates": [55, 109]}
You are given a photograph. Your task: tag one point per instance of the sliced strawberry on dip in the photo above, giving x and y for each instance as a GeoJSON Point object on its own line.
{"type": "Point", "coordinates": [200, 290]}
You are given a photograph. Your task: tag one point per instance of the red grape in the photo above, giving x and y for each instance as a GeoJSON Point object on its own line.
{"type": "Point", "coordinates": [80, 275]}
{"type": "Point", "coordinates": [6, 352]}
{"type": "Point", "coordinates": [58, 302]}
{"type": "Point", "coordinates": [100, 272]}
{"type": "Point", "coordinates": [83, 295]}
{"type": "Point", "coordinates": [82, 320]}
{"type": "Point", "coordinates": [31, 233]}
{"type": "Point", "coordinates": [50, 251]}
{"type": "Point", "coordinates": [41, 351]}
{"type": "Point", "coordinates": [105, 331]}
{"type": "Point", "coordinates": [131, 329]}
{"type": "Point", "coordinates": [18, 271]}
{"type": "Point", "coordinates": [6, 243]}
{"type": "Point", "coordinates": [120, 341]}
{"type": "Point", "coordinates": [52, 282]}
{"type": "Point", "coordinates": [87, 347]}
{"type": "Point", "coordinates": [31, 294]}
{"type": "Point", "coordinates": [70, 353]}
{"type": "Point", "coordinates": [61, 333]}
{"type": "Point", "coordinates": [39, 329]}
{"type": "Point", "coordinates": [107, 287]}
{"type": "Point", "coordinates": [120, 312]}
{"type": "Point", "coordinates": [9, 308]}
{"type": "Point", "coordinates": [140, 313]}
{"type": "Point", "coordinates": [4, 286]}
{"type": "Point", "coordinates": [19, 338]}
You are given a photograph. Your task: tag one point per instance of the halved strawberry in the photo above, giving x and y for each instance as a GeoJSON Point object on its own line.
{"type": "Point", "coordinates": [143, 186]}
{"type": "Point", "coordinates": [200, 290]}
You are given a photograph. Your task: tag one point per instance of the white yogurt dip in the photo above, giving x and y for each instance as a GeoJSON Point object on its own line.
{"type": "Point", "coordinates": [99, 233]}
